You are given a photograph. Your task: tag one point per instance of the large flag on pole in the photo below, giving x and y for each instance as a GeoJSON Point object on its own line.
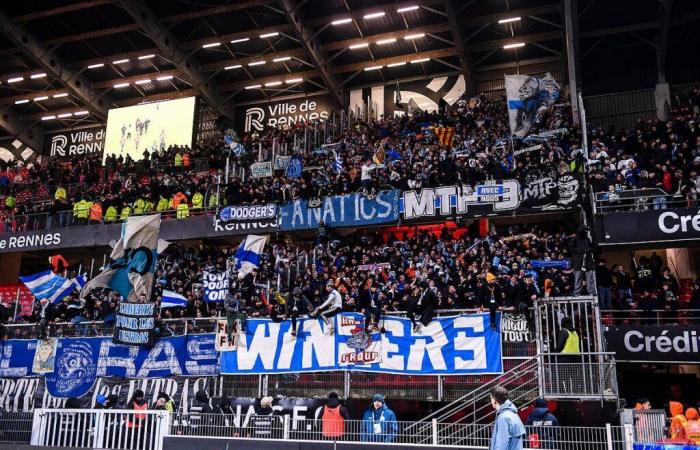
{"type": "Point", "coordinates": [528, 98]}
{"type": "Point", "coordinates": [49, 285]}
{"type": "Point", "coordinates": [248, 254]}
{"type": "Point", "coordinates": [133, 260]}
{"type": "Point", "coordinates": [445, 135]}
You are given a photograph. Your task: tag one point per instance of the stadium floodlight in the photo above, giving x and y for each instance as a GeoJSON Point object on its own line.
{"type": "Point", "coordinates": [48, 117]}
{"type": "Point", "coordinates": [41, 98]}
{"type": "Point", "coordinates": [235, 66]}
{"type": "Point", "coordinates": [516, 45]}
{"type": "Point", "coordinates": [147, 80]}
{"type": "Point", "coordinates": [397, 64]}
{"type": "Point", "coordinates": [165, 78]}
{"type": "Point", "coordinates": [15, 80]}
{"type": "Point", "coordinates": [257, 63]}
{"type": "Point", "coordinates": [375, 15]}
{"type": "Point", "coordinates": [19, 102]}
{"type": "Point", "coordinates": [273, 83]}
{"type": "Point", "coordinates": [96, 66]}
{"type": "Point", "coordinates": [510, 19]}
{"type": "Point", "coordinates": [254, 86]}
{"type": "Point", "coordinates": [356, 46]}
{"type": "Point", "coordinates": [120, 85]}
{"type": "Point", "coordinates": [386, 41]}
{"type": "Point", "coordinates": [269, 35]}
{"type": "Point", "coordinates": [38, 75]}
{"type": "Point", "coordinates": [236, 41]}
{"type": "Point", "coordinates": [81, 113]}
{"type": "Point", "coordinates": [294, 80]}
{"type": "Point", "coordinates": [414, 36]}
{"type": "Point", "coordinates": [284, 58]}
{"type": "Point", "coordinates": [367, 69]}
{"type": "Point", "coordinates": [62, 94]}
{"type": "Point", "coordinates": [121, 61]}
{"type": "Point", "coordinates": [211, 45]}
{"type": "Point", "coordinates": [407, 8]}
{"type": "Point", "coordinates": [341, 21]}
{"type": "Point", "coordinates": [64, 115]}
{"type": "Point", "coordinates": [420, 60]}
{"type": "Point", "coordinates": [149, 56]}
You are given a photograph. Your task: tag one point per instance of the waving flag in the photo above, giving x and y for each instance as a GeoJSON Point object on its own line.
{"type": "Point", "coordinates": [445, 134]}
{"type": "Point", "coordinates": [248, 254]}
{"type": "Point", "coordinates": [133, 260]}
{"type": "Point", "coordinates": [172, 299]}
{"type": "Point", "coordinates": [337, 162]}
{"type": "Point", "coordinates": [48, 285]}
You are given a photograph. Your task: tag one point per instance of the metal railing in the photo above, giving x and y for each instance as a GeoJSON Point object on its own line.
{"type": "Point", "coordinates": [650, 317]}
{"type": "Point", "coordinates": [15, 427]}
{"type": "Point", "coordinates": [113, 429]}
{"type": "Point", "coordinates": [578, 376]}
{"type": "Point", "coordinates": [637, 200]}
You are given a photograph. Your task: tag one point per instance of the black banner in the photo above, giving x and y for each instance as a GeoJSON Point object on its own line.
{"type": "Point", "coordinates": [284, 114]}
{"type": "Point", "coordinates": [655, 343]}
{"type": "Point", "coordinates": [135, 324]}
{"type": "Point", "coordinates": [514, 328]}
{"type": "Point", "coordinates": [69, 144]}
{"type": "Point", "coordinates": [678, 224]}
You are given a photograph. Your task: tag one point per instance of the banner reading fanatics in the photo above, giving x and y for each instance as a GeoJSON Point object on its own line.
{"type": "Point", "coordinates": [464, 344]}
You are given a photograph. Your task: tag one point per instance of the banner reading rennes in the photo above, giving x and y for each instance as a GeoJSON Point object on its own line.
{"type": "Point", "coordinates": [285, 114]}
{"type": "Point", "coordinates": [450, 345]}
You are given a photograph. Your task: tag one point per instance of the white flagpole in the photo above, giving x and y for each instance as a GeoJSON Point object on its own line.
{"type": "Point", "coordinates": [16, 305]}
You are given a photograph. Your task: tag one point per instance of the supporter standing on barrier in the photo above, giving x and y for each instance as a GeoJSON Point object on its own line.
{"type": "Point", "coordinates": [508, 429]}
{"type": "Point", "coordinates": [490, 296]}
{"type": "Point", "coordinates": [235, 314]}
{"type": "Point", "coordinates": [328, 309]}
{"type": "Point", "coordinates": [297, 306]}
{"type": "Point", "coordinates": [379, 422]}
{"type": "Point", "coordinates": [423, 305]}
{"type": "Point", "coordinates": [371, 305]}
{"type": "Point", "coordinates": [581, 250]}
{"type": "Point", "coordinates": [333, 418]}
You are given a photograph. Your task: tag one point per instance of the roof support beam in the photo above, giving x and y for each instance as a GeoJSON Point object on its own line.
{"type": "Point", "coordinates": [458, 38]}
{"type": "Point", "coordinates": [571, 29]}
{"type": "Point", "coordinates": [53, 64]}
{"type": "Point", "coordinates": [313, 48]}
{"type": "Point", "coordinates": [27, 134]}
{"type": "Point", "coordinates": [664, 15]}
{"type": "Point", "coordinates": [60, 10]}
{"type": "Point", "coordinates": [169, 49]}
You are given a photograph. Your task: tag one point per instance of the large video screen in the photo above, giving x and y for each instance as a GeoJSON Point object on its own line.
{"type": "Point", "coordinates": [152, 126]}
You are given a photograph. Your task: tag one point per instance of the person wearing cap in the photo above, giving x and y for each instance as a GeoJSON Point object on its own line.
{"type": "Point", "coordinates": [490, 295]}
{"type": "Point", "coordinates": [379, 422]}
{"type": "Point", "coordinates": [328, 309]}
{"type": "Point", "coordinates": [296, 306]}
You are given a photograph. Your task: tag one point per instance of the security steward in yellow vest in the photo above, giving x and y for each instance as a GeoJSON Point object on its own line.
{"type": "Point", "coordinates": [111, 214]}
{"type": "Point", "coordinates": [81, 212]}
{"type": "Point", "coordinates": [182, 211]}
{"type": "Point", "coordinates": [197, 200]}
{"type": "Point", "coordinates": [126, 212]}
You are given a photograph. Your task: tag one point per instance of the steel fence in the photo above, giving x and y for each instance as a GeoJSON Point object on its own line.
{"type": "Point", "coordinates": [650, 317]}
{"type": "Point", "coordinates": [637, 200]}
{"type": "Point", "coordinates": [15, 427]}
{"type": "Point", "coordinates": [100, 429]}
{"type": "Point", "coordinates": [578, 375]}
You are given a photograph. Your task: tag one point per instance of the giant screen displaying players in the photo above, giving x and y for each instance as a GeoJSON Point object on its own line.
{"type": "Point", "coordinates": [151, 126]}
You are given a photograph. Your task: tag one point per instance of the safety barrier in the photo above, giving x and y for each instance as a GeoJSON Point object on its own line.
{"type": "Point", "coordinates": [113, 429]}
{"type": "Point", "coordinates": [585, 376]}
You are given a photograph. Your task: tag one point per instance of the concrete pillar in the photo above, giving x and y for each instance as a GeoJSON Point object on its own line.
{"type": "Point", "coordinates": [662, 99]}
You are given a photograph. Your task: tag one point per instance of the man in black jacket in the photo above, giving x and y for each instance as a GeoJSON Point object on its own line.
{"type": "Point", "coordinates": [490, 295]}
{"type": "Point", "coordinates": [44, 313]}
{"type": "Point", "coordinates": [423, 304]}
{"type": "Point", "coordinates": [603, 277]}
{"type": "Point", "coordinates": [371, 305]}
{"type": "Point", "coordinates": [296, 306]}
{"type": "Point", "coordinates": [581, 250]}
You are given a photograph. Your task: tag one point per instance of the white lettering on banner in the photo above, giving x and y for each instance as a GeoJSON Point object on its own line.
{"type": "Point", "coordinates": [35, 240]}
{"type": "Point", "coordinates": [241, 226]}
{"type": "Point", "coordinates": [424, 203]}
{"type": "Point", "coordinates": [77, 143]}
{"type": "Point", "coordinates": [17, 394]}
{"type": "Point", "coordinates": [264, 339]}
{"type": "Point", "coordinates": [317, 344]}
{"type": "Point", "coordinates": [161, 357]}
{"type": "Point", "coordinates": [418, 350]}
{"type": "Point", "coordinates": [391, 358]}
{"type": "Point", "coordinates": [672, 225]}
{"type": "Point", "coordinates": [477, 345]}
{"type": "Point", "coordinates": [283, 114]}
{"type": "Point", "coordinates": [687, 342]}
{"type": "Point", "coordinates": [104, 360]}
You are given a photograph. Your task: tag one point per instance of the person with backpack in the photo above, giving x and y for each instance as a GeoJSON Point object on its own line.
{"type": "Point", "coordinates": [333, 418]}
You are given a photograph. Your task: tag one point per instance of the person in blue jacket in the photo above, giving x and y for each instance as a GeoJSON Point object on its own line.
{"type": "Point", "coordinates": [379, 422]}
{"type": "Point", "coordinates": [508, 430]}
{"type": "Point", "coordinates": [541, 422]}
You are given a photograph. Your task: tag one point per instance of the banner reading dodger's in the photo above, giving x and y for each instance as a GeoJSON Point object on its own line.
{"type": "Point", "coordinates": [450, 345]}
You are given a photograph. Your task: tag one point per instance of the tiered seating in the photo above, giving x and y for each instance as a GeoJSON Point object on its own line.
{"type": "Point", "coordinates": [8, 293]}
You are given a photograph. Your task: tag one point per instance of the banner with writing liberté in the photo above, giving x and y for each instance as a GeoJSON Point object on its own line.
{"type": "Point", "coordinates": [464, 344]}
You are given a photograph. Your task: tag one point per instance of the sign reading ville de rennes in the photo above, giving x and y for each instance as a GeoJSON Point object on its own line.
{"type": "Point", "coordinates": [67, 144]}
{"type": "Point", "coordinates": [289, 113]}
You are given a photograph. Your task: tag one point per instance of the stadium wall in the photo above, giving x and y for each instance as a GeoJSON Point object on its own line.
{"type": "Point", "coordinates": [187, 443]}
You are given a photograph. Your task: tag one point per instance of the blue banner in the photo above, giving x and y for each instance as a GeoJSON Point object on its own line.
{"type": "Point", "coordinates": [463, 344]}
{"type": "Point", "coordinates": [354, 210]}
{"type": "Point", "coordinates": [545, 263]}
{"type": "Point", "coordinates": [79, 361]}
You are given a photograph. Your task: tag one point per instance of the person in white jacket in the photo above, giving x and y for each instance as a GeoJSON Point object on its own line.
{"type": "Point", "coordinates": [332, 306]}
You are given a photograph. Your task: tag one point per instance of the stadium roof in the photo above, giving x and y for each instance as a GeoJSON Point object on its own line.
{"type": "Point", "coordinates": [67, 62]}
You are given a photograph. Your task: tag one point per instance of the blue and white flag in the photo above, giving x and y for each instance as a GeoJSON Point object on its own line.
{"type": "Point", "coordinates": [133, 260]}
{"type": "Point", "coordinates": [48, 285]}
{"type": "Point", "coordinates": [295, 167]}
{"type": "Point", "coordinates": [528, 98]}
{"type": "Point", "coordinates": [79, 281]}
{"type": "Point", "coordinates": [337, 162]}
{"type": "Point", "coordinates": [248, 254]}
{"type": "Point", "coordinates": [172, 299]}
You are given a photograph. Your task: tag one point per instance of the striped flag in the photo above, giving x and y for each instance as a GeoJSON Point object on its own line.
{"type": "Point", "coordinates": [445, 134]}
{"type": "Point", "coordinates": [48, 285]}
{"type": "Point", "coordinates": [337, 162]}
{"type": "Point", "coordinates": [172, 299]}
{"type": "Point", "coordinates": [79, 281]}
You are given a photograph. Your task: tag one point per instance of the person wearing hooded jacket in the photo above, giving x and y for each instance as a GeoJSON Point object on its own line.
{"type": "Point", "coordinates": [379, 422]}
{"type": "Point", "coordinates": [200, 412]}
{"type": "Point", "coordinates": [333, 418]}
{"type": "Point", "coordinates": [582, 262]}
{"type": "Point", "coordinates": [542, 419]}
{"type": "Point", "coordinates": [508, 429]}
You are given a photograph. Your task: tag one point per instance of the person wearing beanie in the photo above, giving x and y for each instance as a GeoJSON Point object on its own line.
{"type": "Point", "coordinates": [379, 422]}
{"type": "Point", "coordinates": [333, 418]}
{"type": "Point", "coordinates": [490, 295]}
{"type": "Point", "coordinates": [542, 417]}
